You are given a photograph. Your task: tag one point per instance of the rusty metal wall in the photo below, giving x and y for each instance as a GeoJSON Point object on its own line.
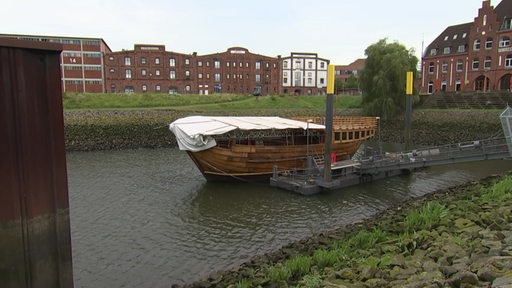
{"type": "Point", "coordinates": [35, 242]}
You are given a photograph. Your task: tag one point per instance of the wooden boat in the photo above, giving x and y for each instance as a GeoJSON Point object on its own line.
{"type": "Point", "coordinates": [247, 148]}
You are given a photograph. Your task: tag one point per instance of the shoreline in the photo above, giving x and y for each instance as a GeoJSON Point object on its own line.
{"type": "Point", "coordinates": [88, 130]}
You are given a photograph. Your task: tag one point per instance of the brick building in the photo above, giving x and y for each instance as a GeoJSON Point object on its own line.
{"type": "Point", "coordinates": [237, 71]}
{"type": "Point", "coordinates": [81, 61]}
{"type": "Point", "coordinates": [345, 72]}
{"type": "Point", "coordinates": [149, 68]}
{"type": "Point", "coordinates": [304, 73]}
{"type": "Point", "coordinates": [474, 56]}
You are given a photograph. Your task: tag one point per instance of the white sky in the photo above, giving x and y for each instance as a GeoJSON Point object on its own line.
{"type": "Point", "coordinates": [338, 30]}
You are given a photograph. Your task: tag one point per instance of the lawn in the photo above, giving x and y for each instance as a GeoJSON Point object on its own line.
{"type": "Point", "coordinates": [214, 102]}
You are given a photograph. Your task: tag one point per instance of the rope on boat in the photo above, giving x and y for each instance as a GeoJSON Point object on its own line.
{"type": "Point", "coordinates": [224, 172]}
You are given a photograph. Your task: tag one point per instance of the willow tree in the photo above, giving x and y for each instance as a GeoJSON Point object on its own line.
{"type": "Point", "coordinates": [383, 78]}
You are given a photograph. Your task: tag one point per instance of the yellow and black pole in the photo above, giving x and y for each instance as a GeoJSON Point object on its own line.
{"type": "Point", "coordinates": [408, 109]}
{"type": "Point", "coordinates": [329, 111]}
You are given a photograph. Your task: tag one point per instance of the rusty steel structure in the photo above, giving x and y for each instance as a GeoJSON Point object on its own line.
{"type": "Point", "coordinates": [35, 242]}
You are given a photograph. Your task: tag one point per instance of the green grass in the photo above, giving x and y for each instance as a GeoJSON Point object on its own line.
{"type": "Point", "coordinates": [426, 217]}
{"type": "Point", "coordinates": [213, 102]}
{"type": "Point", "coordinates": [499, 191]}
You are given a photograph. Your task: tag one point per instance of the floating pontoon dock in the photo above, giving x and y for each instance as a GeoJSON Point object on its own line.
{"type": "Point", "coordinates": [352, 172]}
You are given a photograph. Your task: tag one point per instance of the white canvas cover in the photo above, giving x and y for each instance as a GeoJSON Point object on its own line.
{"type": "Point", "coordinates": [194, 133]}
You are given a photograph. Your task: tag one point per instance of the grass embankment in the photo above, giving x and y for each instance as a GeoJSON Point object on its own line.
{"type": "Point", "coordinates": [214, 102]}
{"type": "Point", "coordinates": [459, 237]}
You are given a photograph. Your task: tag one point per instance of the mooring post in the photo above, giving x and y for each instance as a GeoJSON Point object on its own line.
{"type": "Point", "coordinates": [408, 110]}
{"type": "Point", "coordinates": [329, 110]}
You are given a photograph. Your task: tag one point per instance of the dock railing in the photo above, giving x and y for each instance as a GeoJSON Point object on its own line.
{"type": "Point", "coordinates": [495, 148]}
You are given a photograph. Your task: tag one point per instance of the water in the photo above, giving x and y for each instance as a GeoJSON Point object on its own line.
{"type": "Point", "coordinates": [147, 218]}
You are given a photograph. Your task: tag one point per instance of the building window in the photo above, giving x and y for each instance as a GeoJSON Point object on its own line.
{"type": "Point", "coordinates": [443, 85]}
{"type": "Point", "coordinates": [217, 64]}
{"type": "Point", "coordinates": [172, 74]}
{"type": "Point", "coordinates": [172, 62]}
{"type": "Point", "coordinates": [457, 85]}
{"type": "Point", "coordinates": [475, 63]}
{"type": "Point", "coordinates": [187, 88]}
{"type": "Point", "coordinates": [322, 65]}
{"type": "Point", "coordinates": [128, 74]}
{"type": "Point", "coordinates": [199, 63]}
{"type": "Point", "coordinates": [227, 63]}
{"type": "Point", "coordinates": [459, 65]}
{"type": "Point", "coordinates": [430, 89]}
{"type": "Point", "coordinates": [285, 64]}
{"type": "Point", "coordinates": [476, 45]}
{"type": "Point", "coordinates": [444, 67]}
{"type": "Point", "coordinates": [310, 65]}
{"type": "Point", "coordinates": [508, 61]}
{"type": "Point", "coordinates": [127, 61]}
{"type": "Point", "coordinates": [461, 48]}
{"type": "Point", "coordinates": [187, 62]}
{"type": "Point", "coordinates": [112, 70]}
{"type": "Point", "coordinates": [143, 72]}
{"type": "Point", "coordinates": [142, 60]}
{"type": "Point", "coordinates": [310, 81]}
{"type": "Point", "coordinates": [285, 80]}
{"type": "Point", "coordinates": [431, 68]}
{"type": "Point", "coordinates": [111, 58]}
{"type": "Point", "coordinates": [187, 73]}
{"type": "Point", "coordinates": [200, 75]}
{"type": "Point", "coordinates": [258, 65]}
{"type": "Point", "coordinates": [158, 88]}
{"type": "Point", "coordinates": [157, 72]}
{"type": "Point", "coordinates": [487, 63]}
{"type": "Point", "coordinates": [298, 78]}
{"type": "Point", "coordinates": [258, 78]}
{"type": "Point", "coordinates": [504, 41]}
{"type": "Point", "coordinates": [298, 64]}
{"type": "Point", "coordinates": [144, 88]}
{"type": "Point", "coordinates": [433, 52]}
{"type": "Point", "coordinates": [488, 43]}
{"type": "Point", "coordinates": [217, 77]}
{"type": "Point", "coordinates": [157, 61]}
{"type": "Point", "coordinates": [113, 88]}
{"type": "Point", "coordinates": [322, 81]}
{"type": "Point", "coordinates": [447, 50]}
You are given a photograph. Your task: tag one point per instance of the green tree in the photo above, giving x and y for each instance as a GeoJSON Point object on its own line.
{"type": "Point", "coordinates": [383, 78]}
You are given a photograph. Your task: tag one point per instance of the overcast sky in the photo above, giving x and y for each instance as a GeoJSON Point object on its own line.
{"type": "Point", "coordinates": [338, 30]}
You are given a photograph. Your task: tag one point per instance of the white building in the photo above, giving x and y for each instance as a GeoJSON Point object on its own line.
{"type": "Point", "coordinates": [304, 73]}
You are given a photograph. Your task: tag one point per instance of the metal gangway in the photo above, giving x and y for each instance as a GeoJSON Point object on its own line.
{"type": "Point", "coordinates": [494, 148]}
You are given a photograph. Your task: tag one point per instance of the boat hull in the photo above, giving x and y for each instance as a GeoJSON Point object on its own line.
{"type": "Point", "coordinates": [256, 162]}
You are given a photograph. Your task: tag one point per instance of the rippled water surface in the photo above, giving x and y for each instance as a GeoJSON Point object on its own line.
{"type": "Point", "coordinates": [147, 218]}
